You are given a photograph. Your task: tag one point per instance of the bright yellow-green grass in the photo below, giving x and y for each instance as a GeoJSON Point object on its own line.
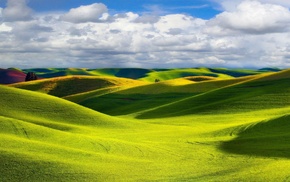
{"type": "Point", "coordinates": [235, 132]}
{"type": "Point", "coordinates": [148, 96]}
{"type": "Point", "coordinates": [70, 85]}
{"type": "Point", "coordinates": [134, 73]}
{"type": "Point", "coordinates": [177, 73]}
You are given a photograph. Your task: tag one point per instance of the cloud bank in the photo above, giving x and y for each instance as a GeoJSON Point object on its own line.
{"type": "Point", "coordinates": [247, 33]}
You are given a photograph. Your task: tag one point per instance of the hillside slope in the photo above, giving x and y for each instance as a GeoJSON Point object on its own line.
{"type": "Point", "coordinates": [263, 92]}
{"type": "Point", "coordinates": [70, 85]}
{"type": "Point", "coordinates": [269, 138]}
{"type": "Point", "coordinates": [8, 76]}
{"type": "Point", "coordinates": [148, 96]}
{"type": "Point", "coordinates": [39, 108]}
{"type": "Point", "coordinates": [45, 138]}
{"type": "Point", "coordinates": [148, 74]}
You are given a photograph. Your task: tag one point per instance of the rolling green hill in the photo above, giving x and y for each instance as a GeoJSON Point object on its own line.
{"type": "Point", "coordinates": [35, 107]}
{"type": "Point", "coordinates": [263, 92]}
{"type": "Point", "coordinates": [269, 138]}
{"type": "Point", "coordinates": [133, 73]}
{"type": "Point", "coordinates": [175, 130]}
{"type": "Point", "coordinates": [148, 74]}
{"type": "Point", "coordinates": [145, 97]}
{"type": "Point", "coordinates": [70, 85]}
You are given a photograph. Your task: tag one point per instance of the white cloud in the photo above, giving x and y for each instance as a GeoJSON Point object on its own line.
{"type": "Point", "coordinates": [252, 34]}
{"type": "Point", "coordinates": [254, 17]}
{"type": "Point", "coordinates": [231, 5]}
{"type": "Point", "coordinates": [4, 28]}
{"type": "Point", "coordinates": [169, 22]}
{"type": "Point", "coordinates": [89, 13]}
{"type": "Point", "coordinates": [147, 19]}
{"type": "Point", "coordinates": [17, 10]}
{"type": "Point", "coordinates": [28, 31]}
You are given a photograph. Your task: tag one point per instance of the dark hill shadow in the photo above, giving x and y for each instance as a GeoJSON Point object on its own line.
{"type": "Point", "coordinates": [133, 73]}
{"type": "Point", "coordinates": [239, 98]}
{"type": "Point", "coordinates": [233, 72]}
{"type": "Point", "coordinates": [267, 139]}
{"type": "Point", "coordinates": [122, 104]}
{"type": "Point", "coordinates": [9, 76]}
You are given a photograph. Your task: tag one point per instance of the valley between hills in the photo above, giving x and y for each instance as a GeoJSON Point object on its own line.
{"type": "Point", "coordinates": [129, 124]}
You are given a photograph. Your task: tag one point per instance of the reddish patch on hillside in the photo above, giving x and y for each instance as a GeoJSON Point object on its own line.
{"type": "Point", "coordinates": [11, 76]}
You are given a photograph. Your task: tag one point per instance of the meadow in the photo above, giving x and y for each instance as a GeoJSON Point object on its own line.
{"type": "Point", "coordinates": [196, 124]}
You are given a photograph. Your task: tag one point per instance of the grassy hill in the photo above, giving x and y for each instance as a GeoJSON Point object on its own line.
{"type": "Point", "coordinates": [133, 73]}
{"type": "Point", "coordinates": [174, 130]}
{"type": "Point", "coordinates": [145, 97]}
{"type": "Point", "coordinates": [14, 75]}
{"type": "Point", "coordinates": [38, 132]}
{"type": "Point", "coordinates": [269, 138]}
{"type": "Point", "coordinates": [70, 85]}
{"type": "Point", "coordinates": [8, 76]}
{"type": "Point", "coordinates": [262, 92]}
{"type": "Point", "coordinates": [148, 74]}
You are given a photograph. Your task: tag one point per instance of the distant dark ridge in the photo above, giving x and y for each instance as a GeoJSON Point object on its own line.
{"type": "Point", "coordinates": [133, 73]}
{"type": "Point", "coordinates": [199, 78]}
{"type": "Point", "coordinates": [57, 72]}
{"type": "Point", "coordinates": [8, 76]}
{"type": "Point", "coordinates": [270, 69]}
{"type": "Point", "coordinates": [38, 70]}
{"type": "Point", "coordinates": [233, 72]}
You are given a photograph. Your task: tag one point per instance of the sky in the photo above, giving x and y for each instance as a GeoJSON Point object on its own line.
{"type": "Point", "coordinates": [144, 33]}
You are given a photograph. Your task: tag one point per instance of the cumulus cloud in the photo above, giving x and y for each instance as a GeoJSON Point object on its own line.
{"type": "Point", "coordinates": [254, 17]}
{"type": "Point", "coordinates": [26, 31]}
{"type": "Point", "coordinates": [252, 34]}
{"type": "Point", "coordinates": [147, 18]}
{"type": "Point", "coordinates": [17, 10]}
{"type": "Point", "coordinates": [231, 5]}
{"type": "Point", "coordinates": [89, 13]}
{"type": "Point", "coordinates": [4, 28]}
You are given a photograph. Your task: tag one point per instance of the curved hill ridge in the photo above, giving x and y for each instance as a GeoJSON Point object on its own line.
{"type": "Point", "coordinates": [70, 85]}
{"type": "Point", "coordinates": [267, 138]}
{"type": "Point", "coordinates": [261, 92]}
{"type": "Point", "coordinates": [143, 74]}
{"type": "Point", "coordinates": [175, 130]}
{"type": "Point", "coordinates": [8, 76]}
{"type": "Point", "coordinates": [45, 110]}
{"type": "Point", "coordinates": [144, 97]}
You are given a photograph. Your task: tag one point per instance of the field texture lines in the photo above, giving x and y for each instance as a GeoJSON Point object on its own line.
{"type": "Point", "coordinates": [119, 129]}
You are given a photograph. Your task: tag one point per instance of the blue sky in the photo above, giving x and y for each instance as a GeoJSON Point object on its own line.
{"type": "Point", "coordinates": [147, 33]}
{"type": "Point", "coordinates": [197, 8]}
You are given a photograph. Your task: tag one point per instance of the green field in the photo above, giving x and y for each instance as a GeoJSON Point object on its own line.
{"type": "Point", "coordinates": [197, 124]}
{"type": "Point", "coordinates": [147, 74]}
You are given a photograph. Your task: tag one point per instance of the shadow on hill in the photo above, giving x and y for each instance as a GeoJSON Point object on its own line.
{"type": "Point", "coordinates": [122, 104]}
{"type": "Point", "coordinates": [233, 72]}
{"type": "Point", "coordinates": [268, 139]}
{"type": "Point", "coordinates": [244, 97]}
{"type": "Point", "coordinates": [75, 85]}
{"type": "Point", "coordinates": [133, 73]}
{"type": "Point", "coordinates": [8, 76]}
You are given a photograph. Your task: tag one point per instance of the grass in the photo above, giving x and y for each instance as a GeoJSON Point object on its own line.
{"type": "Point", "coordinates": [269, 138]}
{"type": "Point", "coordinates": [133, 73]}
{"type": "Point", "coordinates": [148, 74]}
{"type": "Point", "coordinates": [217, 130]}
{"type": "Point", "coordinates": [148, 96]}
{"type": "Point", "coordinates": [177, 73]}
{"type": "Point", "coordinates": [70, 85]}
{"type": "Point", "coordinates": [260, 93]}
